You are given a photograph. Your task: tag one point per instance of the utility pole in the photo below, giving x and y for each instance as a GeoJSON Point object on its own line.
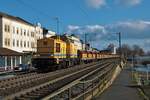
{"type": "Point", "coordinates": [120, 51]}
{"type": "Point", "coordinates": [85, 41]}
{"type": "Point", "coordinates": [57, 26]}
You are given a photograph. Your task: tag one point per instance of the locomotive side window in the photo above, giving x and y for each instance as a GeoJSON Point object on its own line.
{"type": "Point", "coordinates": [57, 47]}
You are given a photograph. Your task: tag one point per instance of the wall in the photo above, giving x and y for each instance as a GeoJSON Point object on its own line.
{"type": "Point", "coordinates": [101, 88]}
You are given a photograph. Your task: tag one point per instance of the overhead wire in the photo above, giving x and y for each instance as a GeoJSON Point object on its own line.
{"type": "Point", "coordinates": [35, 10]}
{"type": "Point", "coordinates": [83, 11]}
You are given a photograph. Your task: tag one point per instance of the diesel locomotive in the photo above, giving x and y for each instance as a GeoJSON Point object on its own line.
{"type": "Point", "coordinates": [59, 52]}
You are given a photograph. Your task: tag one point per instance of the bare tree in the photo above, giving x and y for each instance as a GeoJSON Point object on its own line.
{"type": "Point", "coordinates": [134, 50]}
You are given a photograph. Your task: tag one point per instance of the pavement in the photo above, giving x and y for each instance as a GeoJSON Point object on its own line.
{"type": "Point", "coordinates": [120, 89]}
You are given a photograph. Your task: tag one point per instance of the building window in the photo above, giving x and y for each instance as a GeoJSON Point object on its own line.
{"type": "Point", "coordinates": [17, 30]}
{"type": "Point", "coordinates": [32, 34]}
{"type": "Point", "coordinates": [14, 30]}
{"type": "Point", "coordinates": [6, 41]}
{"type": "Point", "coordinates": [7, 28]}
{"type": "Point", "coordinates": [21, 43]}
{"type": "Point", "coordinates": [28, 44]}
{"type": "Point", "coordinates": [24, 32]}
{"type": "Point", "coordinates": [24, 43]}
{"type": "Point", "coordinates": [13, 42]}
{"type": "Point", "coordinates": [57, 47]}
{"type": "Point", "coordinates": [32, 44]}
{"type": "Point", "coordinates": [17, 43]}
{"type": "Point", "coordinates": [21, 31]}
{"type": "Point", "coordinates": [28, 33]}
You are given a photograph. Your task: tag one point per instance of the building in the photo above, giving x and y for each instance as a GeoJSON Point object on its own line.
{"type": "Point", "coordinates": [9, 59]}
{"type": "Point", "coordinates": [76, 40]}
{"type": "Point", "coordinates": [112, 48]}
{"type": "Point", "coordinates": [50, 34]}
{"type": "Point", "coordinates": [19, 35]}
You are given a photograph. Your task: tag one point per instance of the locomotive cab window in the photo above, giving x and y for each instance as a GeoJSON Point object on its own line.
{"type": "Point", "coordinates": [57, 47]}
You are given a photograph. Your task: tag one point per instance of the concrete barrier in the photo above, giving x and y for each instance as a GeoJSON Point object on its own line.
{"type": "Point", "coordinates": [105, 84]}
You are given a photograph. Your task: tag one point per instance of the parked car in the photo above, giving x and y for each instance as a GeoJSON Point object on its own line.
{"type": "Point", "coordinates": [22, 67]}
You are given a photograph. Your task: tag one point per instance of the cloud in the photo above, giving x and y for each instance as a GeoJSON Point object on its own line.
{"type": "Point", "coordinates": [128, 2]}
{"type": "Point", "coordinates": [86, 29]}
{"type": "Point", "coordinates": [131, 30]}
{"type": "Point", "coordinates": [147, 42]}
{"type": "Point", "coordinates": [91, 30]}
{"type": "Point", "coordinates": [96, 3]}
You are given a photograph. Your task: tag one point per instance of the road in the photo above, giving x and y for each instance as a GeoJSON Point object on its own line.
{"type": "Point", "coordinates": [120, 90]}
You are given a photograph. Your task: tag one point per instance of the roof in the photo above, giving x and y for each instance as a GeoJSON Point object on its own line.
{"type": "Point", "coordinates": [8, 52]}
{"type": "Point", "coordinates": [15, 18]}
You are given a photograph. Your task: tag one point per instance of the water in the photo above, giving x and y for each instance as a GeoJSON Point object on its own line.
{"type": "Point", "coordinates": [142, 69]}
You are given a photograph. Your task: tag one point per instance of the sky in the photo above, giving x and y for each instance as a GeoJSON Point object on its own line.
{"type": "Point", "coordinates": [99, 19]}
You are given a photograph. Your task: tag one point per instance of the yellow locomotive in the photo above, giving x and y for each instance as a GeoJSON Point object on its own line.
{"type": "Point", "coordinates": [54, 53]}
{"type": "Point", "coordinates": [59, 52]}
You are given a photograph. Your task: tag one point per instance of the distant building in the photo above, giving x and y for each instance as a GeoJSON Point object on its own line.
{"type": "Point", "coordinates": [50, 34]}
{"type": "Point", "coordinates": [17, 35]}
{"type": "Point", "coordinates": [112, 48]}
{"type": "Point", "coordinates": [76, 40]}
{"type": "Point", "coordinates": [86, 47]}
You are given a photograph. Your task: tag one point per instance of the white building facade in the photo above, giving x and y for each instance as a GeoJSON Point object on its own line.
{"type": "Point", "coordinates": [18, 35]}
{"type": "Point", "coordinates": [76, 41]}
{"type": "Point", "coordinates": [50, 34]}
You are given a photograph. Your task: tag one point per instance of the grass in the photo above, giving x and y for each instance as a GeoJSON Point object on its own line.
{"type": "Point", "coordinates": [141, 90]}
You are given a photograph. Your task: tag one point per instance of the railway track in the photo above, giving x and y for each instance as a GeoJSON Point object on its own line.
{"type": "Point", "coordinates": [43, 91]}
{"type": "Point", "coordinates": [77, 88]}
{"type": "Point", "coordinates": [36, 86]}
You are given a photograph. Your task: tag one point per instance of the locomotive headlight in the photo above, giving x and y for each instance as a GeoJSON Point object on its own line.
{"type": "Point", "coordinates": [57, 61]}
{"type": "Point", "coordinates": [20, 68]}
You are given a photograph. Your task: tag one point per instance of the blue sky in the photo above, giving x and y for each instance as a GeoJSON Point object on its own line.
{"type": "Point", "coordinates": [100, 19]}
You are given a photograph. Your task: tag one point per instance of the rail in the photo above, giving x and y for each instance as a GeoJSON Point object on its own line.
{"type": "Point", "coordinates": [52, 77]}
